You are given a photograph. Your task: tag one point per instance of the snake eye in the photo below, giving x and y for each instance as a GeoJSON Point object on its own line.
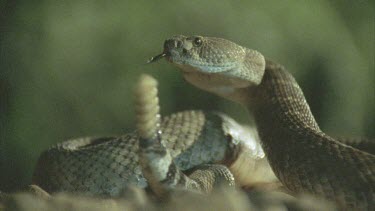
{"type": "Point", "coordinates": [197, 42]}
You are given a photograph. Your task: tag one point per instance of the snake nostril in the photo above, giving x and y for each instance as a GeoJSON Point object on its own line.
{"type": "Point", "coordinates": [172, 43]}
{"type": "Point", "coordinates": [167, 43]}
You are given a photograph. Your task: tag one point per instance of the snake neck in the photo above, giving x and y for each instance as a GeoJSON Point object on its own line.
{"type": "Point", "coordinates": [279, 101]}
{"type": "Point", "coordinates": [280, 111]}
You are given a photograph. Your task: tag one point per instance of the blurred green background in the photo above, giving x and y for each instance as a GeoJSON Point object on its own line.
{"type": "Point", "coordinates": [67, 68]}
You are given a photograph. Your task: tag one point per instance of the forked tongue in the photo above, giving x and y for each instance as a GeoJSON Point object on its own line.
{"type": "Point", "coordinates": [156, 58]}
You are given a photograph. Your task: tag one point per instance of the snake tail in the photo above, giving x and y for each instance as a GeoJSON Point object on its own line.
{"type": "Point", "coordinates": [155, 160]}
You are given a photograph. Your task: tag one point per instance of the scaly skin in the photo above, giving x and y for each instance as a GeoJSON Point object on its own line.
{"type": "Point", "coordinates": [105, 166]}
{"type": "Point", "coordinates": [304, 158]}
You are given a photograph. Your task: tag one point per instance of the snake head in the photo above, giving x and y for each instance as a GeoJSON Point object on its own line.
{"type": "Point", "coordinates": [206, 54]}
{"type": "Point", "coordinates": [214, 64]}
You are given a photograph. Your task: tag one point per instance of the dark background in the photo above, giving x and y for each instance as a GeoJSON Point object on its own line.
{"type": "Point", "coordinates": [68, 68]}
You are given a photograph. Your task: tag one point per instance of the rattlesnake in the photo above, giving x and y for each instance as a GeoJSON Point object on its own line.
{"type": "Point", "coordinates": [304, 158]}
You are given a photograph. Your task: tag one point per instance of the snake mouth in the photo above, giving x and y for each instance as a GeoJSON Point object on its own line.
{"type": "Point", "coordinates": [172, 48]}
{"type": "Point", "coordinates": [171, 55]}
{"type": "Point", "coordinates": [175, 50]}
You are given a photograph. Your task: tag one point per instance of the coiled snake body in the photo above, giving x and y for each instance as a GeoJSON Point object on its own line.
{"type": "Point", "coordinates": [106, 166]}
{"type": "Point", "coordinates": [303, 157]}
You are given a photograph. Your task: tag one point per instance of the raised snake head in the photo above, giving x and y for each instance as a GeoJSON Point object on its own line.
{"type": "Point", "coordinates": [206, 62]}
